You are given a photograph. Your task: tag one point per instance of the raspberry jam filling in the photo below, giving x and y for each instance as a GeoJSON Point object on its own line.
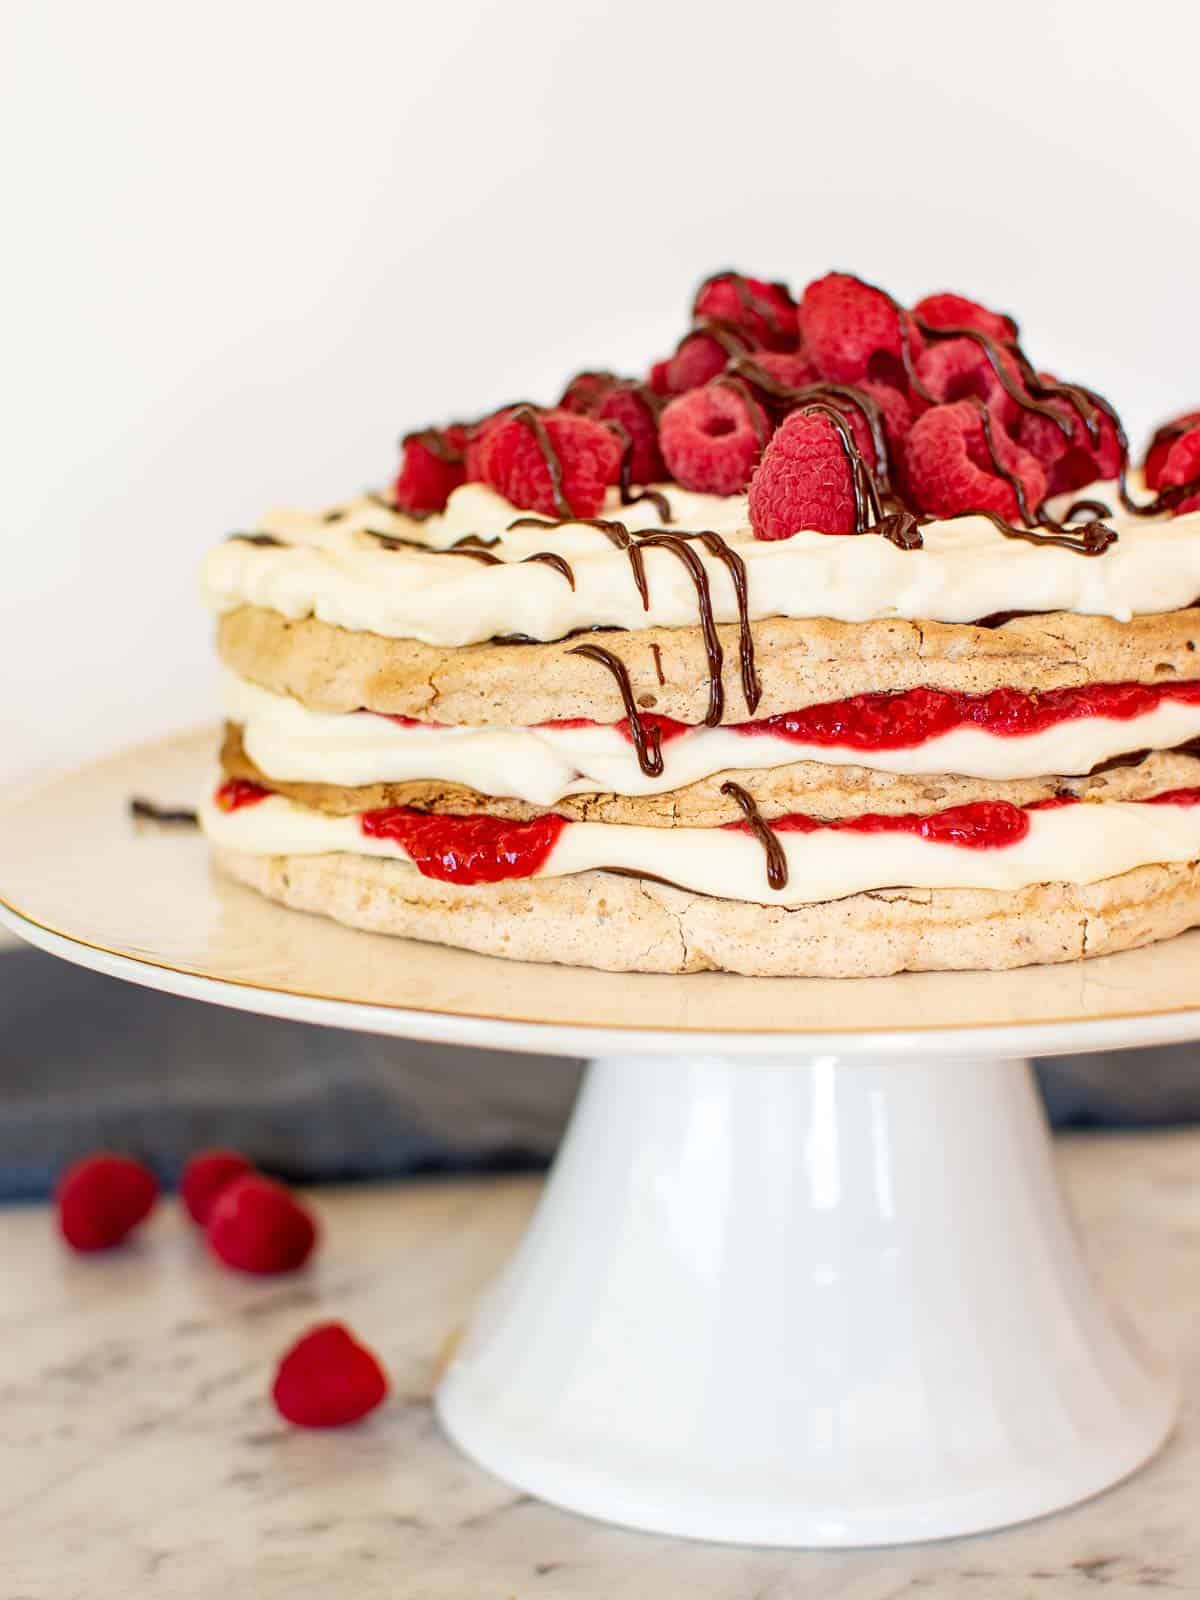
{"type": "Point", "coordinates": [980, 825]}
{"type": "Point", "coordinates": [474, 849]}
{"type": "Point", "coordinates": [235, 793]}
{"type": "Point", "coordinates": [910, 717]}
{"type": "Point", "coordinates": [485, 849]}
{"type": "Point", "coordinates": [900, 721]}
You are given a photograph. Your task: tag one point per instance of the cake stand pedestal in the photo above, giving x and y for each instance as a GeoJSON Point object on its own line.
{"type": "Point", "coordinates": [801, 1274]}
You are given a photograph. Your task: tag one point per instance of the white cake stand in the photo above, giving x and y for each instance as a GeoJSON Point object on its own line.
{"type": "Point", "coordinates": [802, 1274]}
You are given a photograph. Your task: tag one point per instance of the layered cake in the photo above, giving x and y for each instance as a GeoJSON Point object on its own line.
{"type": "Point", "coordinates": [847, 642]}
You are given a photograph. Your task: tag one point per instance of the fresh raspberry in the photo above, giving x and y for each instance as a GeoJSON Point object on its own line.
{"type": "Point", "coordinates": [102, 1198]}
{"type": "Point", "coordinates": [699, 359]}
{"type": "Point", "coordinates": [950, 470]}
{"type": "Point", "coordinates": [804, 480]}
{"type": "Point", "coordinates": [712, 438]}
{"type": "Point", "coordinates": [1070, 463]}
{"type": "Point", "coordinates": [585, 391]}
{"type": "Point", "coordinates": [956, 311]}
{"type": "Point", "coordinates": [328, 1379]}
{"type": "Point", "coordinates": [898, 415]}
{"type": "Point", "coordinates": [765, 311]}
{"type": "Point", "coordinates": [1160, 445]}
{"type": "Point", "coordinates": [433, 466]}
{"type": "Point", "coordinates": [659, 377]}
{"type": "Point", "coordinates": [955, 369]}
{"type": "Point", "coordinates": [635, 408]}
{"type": "Point", "coordinates": [204, 1177]}
{"type": "Point", "coordinates": [1183, 466]}
{"type": "Point", "coordinates": [476, 434]}
{"type": "Point", "coordinates": [259, 1226]}
{"type": "Point", "coordinates": [791, 368]}
{"type": "Point", "coordinates": [853, 331]}
{"type": "Point", "coordinates": [517, 454]}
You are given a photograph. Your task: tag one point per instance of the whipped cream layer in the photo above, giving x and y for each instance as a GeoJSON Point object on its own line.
{"type": "Point", "coordinates": [332, 568]}
{"type": "Point", "coordinates": [1077, 844]}
{"type": "Point", "coordinates": [542, 765]}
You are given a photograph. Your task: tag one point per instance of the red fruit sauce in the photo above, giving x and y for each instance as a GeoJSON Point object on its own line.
{"type": "Point", "coordinates": [474, 849]}
{"type": "Point", "coordinates": [235, 793]}
{"type": "Point", "coordinates": [900, 721]}
{"type": "Point", "coordinates": [484, 849]}
{"type": "Point", "coordinates": [906, 719]}
{"type": "Point", "coordinates": [981, 825]}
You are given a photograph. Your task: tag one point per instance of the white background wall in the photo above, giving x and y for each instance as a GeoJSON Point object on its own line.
{"type": "Point", "coordinates": [246, 244]}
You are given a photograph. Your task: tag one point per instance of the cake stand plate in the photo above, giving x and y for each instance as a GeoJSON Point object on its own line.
{"type": "Point", "coordinates": [801, 1274]}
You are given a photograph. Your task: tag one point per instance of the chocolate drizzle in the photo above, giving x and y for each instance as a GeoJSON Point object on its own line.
{"type": "Point", "coordinates": [868, 507]}
{"type": "Point", "coordinates": [677, 544]}
{"type": "Point", "coordinates": [777, 867]}
{"type": "Point", "coordinates": [1087, 511]}
{"type": "Point", "coordinates": [1167, 433]}
{"type": "Point", "coordinates": [674, 540]}
{"type": "Point", "coordinates": [559, 564]}
{"type": "Point", "coordinates": [1166, 499]}
{"type": "Point", "coordinates": [1093, 539]}
{"type": "Point", "coordinates": [528, 417]}
{"type": "Point", "coordinates": [436, 442]}
{"type": "Point", "coordinates": [658, 668]}
{"type": "Point", "coordinates": [475, 550]}
{"type": "Point", "coordinates": [264, 541]}
{"type": "Point", "coordinates": [170, 816]}
{"type": "Point", "coordinates": [751, 303]}
{"type": "Point", "coordinates": [647, 740]}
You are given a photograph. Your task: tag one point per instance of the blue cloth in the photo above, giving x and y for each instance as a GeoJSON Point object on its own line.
{"type": "Point", "coordinates": [87, 1062]}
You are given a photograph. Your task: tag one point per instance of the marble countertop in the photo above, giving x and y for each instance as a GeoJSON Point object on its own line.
{"type": "Point", "coordinates": [140, 1455]}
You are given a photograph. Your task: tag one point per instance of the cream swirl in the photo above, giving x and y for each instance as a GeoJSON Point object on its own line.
{"type": "Point", "coordinates": [335, 569]}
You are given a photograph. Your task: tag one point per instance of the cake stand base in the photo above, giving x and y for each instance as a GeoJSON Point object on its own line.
{"type": "Point", "coordinates": [827, 1301]}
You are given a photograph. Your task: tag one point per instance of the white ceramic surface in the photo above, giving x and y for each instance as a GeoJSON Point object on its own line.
{"type": "Point", "coordinates": [824, 1298]}
{"type": "Point", "coordinates": [821, 1302]}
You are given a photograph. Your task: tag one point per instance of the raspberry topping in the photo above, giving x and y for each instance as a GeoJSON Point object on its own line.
{"type": "Point", "coordinates": [471, 849]}
{"type": "Point", "coordinates": [1072, 462]}
{"type": "Point", "coordinates": [328, 1379]}
{"type": "Point", "coordinates": [551, 462]}
{"type": "Point", "coordinates": [433, 466]}
{"type": "Point", "coordinates": [957, 369]}
{"type": "Point", "coordinates": [765, 311]}
{"type": "Point", "coordinates": [853, 331]}
{"type": "Point", "coordinates": [1160, 444]}
{"type": "Point", "coordinates": [659, 377]}
{"type": "Point", "coordinates": [205, 1176]}
{"type": "Point", "coordinates": [102, 1198]}
{"type": "Point", "coordinates": [956, 311]}
{"type": "Point", "coordinates": [792, 369]}
{"type": "Point", "coordinates": [951, 469]}
{"type": "Point", "coordinates": [634, 407]}
{"type": "Point", "coordinates": [896, 415]}
{"type": "Point", "coordinates": [1183, 466]}
{"type": "Point", "coordinates": [699, 358]}
{"type": "Point", "coordinates": [585, 391]}
{"type": "Point", "coordinates": [712, 438]}
{"type": "Point", "coordinates": [258, 1226]}
{"type": "Point", "coordinates": [804, 480]}
{"type": "Point", "coordinates": [476, 434]}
